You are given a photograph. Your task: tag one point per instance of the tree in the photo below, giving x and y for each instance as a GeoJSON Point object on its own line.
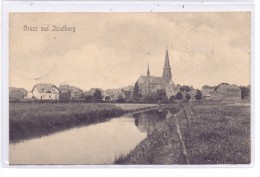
{"type": "Point", "coordinates": [65, 95]}
{"type": "Point", "coordinates": [198, 95]}
{"type": "Point", "coordinates": [188, 97]}
{"type": "Point", "coordinates": [120, 99]}
{"type": "Point", "coordinates": [88, 97]}
{"type": "Point", "coordinates": [82, 96]}
{"type": "Point", "coordinates": [209, 87]}
{"type": "Point", "coordinates": [245, 91]}
{"type": "Point", "coordinates": [160, 95]}
{"type": "Point", "coordinates": [172, 98]}
{"type": "Point", "coordinates": [97, 95]}
{"type": "Point", "coordinates": [148, 98]}
{"type": "Point", "coordinates": [185, 88]}
{"type": "Point", "coordinates": [107, 98]}
{"type": "Point", "coordinates": [179, 96]}
{"type": "Point", "coordinates": [136, 96]}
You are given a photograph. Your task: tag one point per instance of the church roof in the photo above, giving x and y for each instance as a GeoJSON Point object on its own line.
{"type": "Point", "coordinates": [152, 80]}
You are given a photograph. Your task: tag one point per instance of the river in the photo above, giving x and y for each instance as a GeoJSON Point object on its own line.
{"type": "Point", "coordinates": [94, 144]}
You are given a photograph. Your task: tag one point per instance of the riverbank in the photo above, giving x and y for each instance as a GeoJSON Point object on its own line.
{"type": "Point", "coordinates": [28, 120]}
{"type": "Point", "coordinates": [201, 134]}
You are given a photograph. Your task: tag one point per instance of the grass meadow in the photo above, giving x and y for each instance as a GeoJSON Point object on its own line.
{"type": "Point", "coordinates": [212, 134]}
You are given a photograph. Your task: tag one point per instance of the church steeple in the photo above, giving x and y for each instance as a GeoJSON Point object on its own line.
{"type": "Point", "coordinates": [167, 74]}
{"type": "Point", "coordinates": [167, 62]}
{"type": "Point", "coordinates": [148, 71]}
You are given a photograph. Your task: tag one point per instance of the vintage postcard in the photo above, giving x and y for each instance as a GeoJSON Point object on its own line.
{"type": "Point", "coordinates": [130, 88]}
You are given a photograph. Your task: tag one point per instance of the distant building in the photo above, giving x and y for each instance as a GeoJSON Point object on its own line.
{"type": "Point", "coordinates": [114, 94]}
{"type": "Point", "coordinates": [17, 93]}
{"type": "Point", "coordinates": [149, 84]}
{"type": "Point", "coordinates": [128, 91]}
{"type": "Point", "coordinates": [226, 92]}
{"type": "Point", "coordinates": [206, 93]}
{"type": "Point", "coordinates": [192, 94]}
{"type": "Point", "coordinates": [44, 92]}
{"type": "Point", "coordinates": [70, 92]}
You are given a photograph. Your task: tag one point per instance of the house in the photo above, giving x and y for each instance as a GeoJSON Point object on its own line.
{"type": "Point", "coordinates": [70, 92]}
{"type": "Point", "coordinates": [226, 92]}
{"type": "Point", "coordinates": [206, 92]}
{"type": "Point", "coordinates": [17, 93]}
{"type": "Point", "coordinates": [44, 92]}
{"type": "Point", "coordinates": [114, 94]}
{"type": "Point", "coordinates": [171, 90]}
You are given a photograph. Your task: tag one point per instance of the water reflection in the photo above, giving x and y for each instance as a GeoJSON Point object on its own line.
{"type": "Point", "coordinates": [95, 144]}
{"type": "Point", "coordinates": [146, 122]}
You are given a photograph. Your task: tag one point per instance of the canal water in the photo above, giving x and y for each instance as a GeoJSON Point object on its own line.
{"type": "Point", "coordinates": [99, 143]}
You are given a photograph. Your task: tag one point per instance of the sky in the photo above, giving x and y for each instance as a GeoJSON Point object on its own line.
{"type": "Point", "coordinates": [112, 50]}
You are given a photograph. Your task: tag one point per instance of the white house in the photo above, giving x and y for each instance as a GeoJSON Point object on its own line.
{"type": "Point", "coordinates": [44, 92]}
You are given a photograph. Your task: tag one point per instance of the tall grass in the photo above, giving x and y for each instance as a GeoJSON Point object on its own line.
{"type": "Point", "coordinates": [219, 134]}
{"type": "Point", "coordinates": [31, 120]}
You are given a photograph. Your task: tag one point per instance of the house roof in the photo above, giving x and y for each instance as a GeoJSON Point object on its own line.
{"type": "Point", "coordinates": [111, 92]}
{"type": "Point", "coordinates": [224, 86]}
{"type": "Point", "coordinates": [44, 87]}
{"type": "Point", "coordinates": [71, 88]}
{"type": "Point", "coordinates": [152, 80]}
{"type": "Point", "coordinates": [13, 89]}
{"type": "Point", "coordinates": [192, 92]}
{"type": "Point", "coordinates": [206, 91]}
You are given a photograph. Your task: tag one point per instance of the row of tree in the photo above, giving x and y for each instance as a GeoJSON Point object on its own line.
{"type": "Point", "coordinates": [161, 96]}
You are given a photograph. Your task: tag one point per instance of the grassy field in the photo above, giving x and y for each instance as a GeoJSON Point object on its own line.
{"type": "Point", "coordinates": [212, 134]}
{"type": "Point", "coordinates": [28, 120]}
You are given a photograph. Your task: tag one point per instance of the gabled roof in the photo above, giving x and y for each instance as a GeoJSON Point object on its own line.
{"type": "Point", "coordinates": [192, 92]}
{"type": "Point", "coordinates": [206, 91]}
{"type": "Point", "coordinates": [112, 92]}
{"type": "Point", "coordinates": [70, 88]}
{"type": "Point", "coordinates": [44, 87]}
{"type": "Point", "coordinates": [152, 80]}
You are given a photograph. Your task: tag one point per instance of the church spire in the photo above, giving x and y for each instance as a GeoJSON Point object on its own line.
{"type": "Point", "coordinates": [148, 71]}
{"type": "Point", "coordinates": [167, 62]}
{"type": "Point", "coordinates": [167, 74]}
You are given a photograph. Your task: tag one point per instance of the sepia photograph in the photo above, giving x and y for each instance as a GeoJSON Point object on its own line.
{"type": "Point", "coordinates": [130, 88]}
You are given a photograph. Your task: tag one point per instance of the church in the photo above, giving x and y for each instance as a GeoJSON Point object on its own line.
{"type": "Point", "coordinates": [149, 84]}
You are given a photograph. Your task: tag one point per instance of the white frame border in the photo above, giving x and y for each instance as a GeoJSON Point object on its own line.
{"type": "Point", "coordinates": [119, 6]}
